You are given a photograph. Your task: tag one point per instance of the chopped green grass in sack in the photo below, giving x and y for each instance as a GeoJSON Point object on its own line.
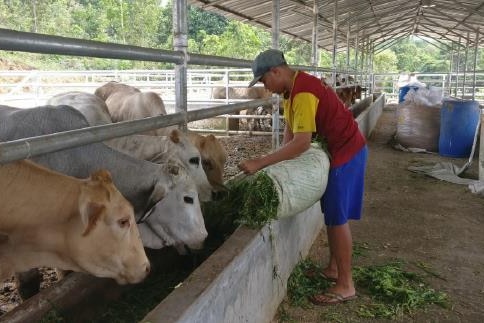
{"type": "Point", "coordinates": [250, 200]}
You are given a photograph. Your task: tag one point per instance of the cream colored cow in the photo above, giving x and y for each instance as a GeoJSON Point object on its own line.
{"type": "Point", "coordinates": [84, 225]}
{"type": "Point", "coordinates": [129, 103]}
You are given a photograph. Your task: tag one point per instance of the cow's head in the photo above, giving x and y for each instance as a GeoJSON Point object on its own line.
{"type": "Point", "coordinates": [175, 219]}
{"type": "Point", "coordinates": [214, 157]}
{"type": "Point", "coordinates": [191, 158]}
{"type": "Point", "coordinates": [104, 240]}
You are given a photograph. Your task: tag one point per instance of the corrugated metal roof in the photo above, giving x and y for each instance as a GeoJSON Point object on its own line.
{"type": "Point", "coordinates": [378, 21]}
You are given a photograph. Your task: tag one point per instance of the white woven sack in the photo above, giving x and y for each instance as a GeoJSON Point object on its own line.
{"type": "Point", "coordinates": [300, 182]}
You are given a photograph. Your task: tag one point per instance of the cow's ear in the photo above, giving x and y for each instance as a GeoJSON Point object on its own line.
{"type": "Point", "coordinates": [90, 214]}
{"type": "Point", "coordinates": [211, 137]}
{"type": "Point", "coordinates": [159, 192]}
{"type": "Point", "coordinates": [175, 136]}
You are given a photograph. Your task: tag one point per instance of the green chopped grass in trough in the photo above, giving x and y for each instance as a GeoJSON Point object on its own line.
{"type": "Point", "coordinates": [259, 200]}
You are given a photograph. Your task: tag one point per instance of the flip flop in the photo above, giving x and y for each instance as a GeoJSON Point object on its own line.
{"type": "Point", "coordinates": [313, 274]}
{"type": "Point", "coordinates": [330, 299]}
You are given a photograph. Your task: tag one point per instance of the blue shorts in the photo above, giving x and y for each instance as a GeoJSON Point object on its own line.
{"type": "Point", "coordinates": [343, 198]}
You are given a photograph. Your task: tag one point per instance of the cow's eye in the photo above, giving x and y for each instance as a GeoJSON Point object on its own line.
{"type": "Point", "coordinates": [194, 160]}
{"type": "Point", "coordinates": [124, 223]}
{"type": "Point", "coordinates": [188, 199]}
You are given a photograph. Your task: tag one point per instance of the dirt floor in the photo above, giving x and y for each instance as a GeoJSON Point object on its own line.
{"type": "Point", "coordinates": [416, 219]}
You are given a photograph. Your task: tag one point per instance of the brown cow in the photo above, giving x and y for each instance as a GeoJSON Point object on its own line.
{"type": "Point", "coordinates": [349, 94]}
{"type": "Point", "coordinates": [129, 103]}
{"type": "Point", "coordinates": [214, 158]}
{"type": "Point", "coordinates": [51, 219]}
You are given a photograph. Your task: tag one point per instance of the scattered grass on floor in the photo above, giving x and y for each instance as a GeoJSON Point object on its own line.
{"type": "Point", "coordinates": [360, 249]}
{"type": "Point", "coordinates": [305, 281]}
{"type": "Point", "coordinates": [393, 290]}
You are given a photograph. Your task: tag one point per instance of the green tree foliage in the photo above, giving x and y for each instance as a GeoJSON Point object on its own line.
{"type": "Point", "coordinates": [385, 62]}
{"type": "Point", "coordinates": [148, 23]}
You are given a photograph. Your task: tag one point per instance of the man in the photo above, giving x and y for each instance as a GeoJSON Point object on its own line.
{"type": "Point", "coordinates": [311, 107]}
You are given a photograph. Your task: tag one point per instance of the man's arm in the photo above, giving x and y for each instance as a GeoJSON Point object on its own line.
{"type": "Point", "coordinates": [299, 143]}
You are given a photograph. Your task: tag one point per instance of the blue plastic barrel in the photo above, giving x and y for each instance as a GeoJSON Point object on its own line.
{"type": "Point", "coordinates": [458, 122]}
{"type": "Point", "coordinates": [403, 90]}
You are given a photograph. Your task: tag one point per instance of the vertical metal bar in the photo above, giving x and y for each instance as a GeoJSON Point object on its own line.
{"type": "Point", "coordinates": [276, 21]}
{"type": "Point", "coordinates": [465, 66]}
{"type": "Point", "coordinates": [335, 39]}
{"type": "Point", "coordinates": [356, 47]}
{"type": "Point", "coordinates": [476, 51]}
{"type": "Point", "coordinates": [276, 12]}
{"type": "Point", "coordinates": [348, 32]}
{"type": "Point", "coordinates": [314, 52]}
{"type": "Point", "coordinates": [451, 61]}
{"type": "Point", "coordinates": [372, 75]}
{"type": "Point", "coordinates": [180, 43]}
{"type": "Point", "coordinates": [362, 60]}
{"type": "Point", "coordinates": [457, 69]}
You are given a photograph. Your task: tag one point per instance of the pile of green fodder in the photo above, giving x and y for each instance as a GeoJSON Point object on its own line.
{"type": "Point", "coordinates": [250, 200]}
{"type": "Point", "coordinates": [393, 290]}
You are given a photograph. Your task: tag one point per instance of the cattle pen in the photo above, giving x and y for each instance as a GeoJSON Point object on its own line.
{"type": "Point", "coordinates": [244, 278]}
{"type": "Point", "coordinates": [55, 298]}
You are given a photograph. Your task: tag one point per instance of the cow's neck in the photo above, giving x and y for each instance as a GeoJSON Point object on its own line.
{"type": "Point", "coordinates": [18, 257]}
{"type": "Point", "coordinates": [50, 196]}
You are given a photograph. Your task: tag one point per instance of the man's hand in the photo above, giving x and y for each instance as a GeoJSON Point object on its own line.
{"type": "Point", "coordinates": [250, 166]}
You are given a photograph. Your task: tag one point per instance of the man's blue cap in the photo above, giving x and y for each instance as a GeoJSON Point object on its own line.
{"type": "Point", "coordinates": [264, 62]}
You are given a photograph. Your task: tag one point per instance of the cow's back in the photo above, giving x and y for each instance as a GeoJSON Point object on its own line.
{"type": "Point", "coordinates": [134, 178]}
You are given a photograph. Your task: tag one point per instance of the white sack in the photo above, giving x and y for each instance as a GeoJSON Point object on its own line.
{"type": "Point", "coordinates": [300, 182]}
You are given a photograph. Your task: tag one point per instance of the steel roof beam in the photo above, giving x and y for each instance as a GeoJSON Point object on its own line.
{"type": "Point", "coordinates": [433, 32]}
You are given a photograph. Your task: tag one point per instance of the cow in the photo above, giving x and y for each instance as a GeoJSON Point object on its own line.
{"type": "Point", "coordinates": [84, 225]}
{"type": "Point", "coordinates": [214, 157]}
{"type": "Point", "coordinates": [349, 94]}
{"type": "Point", "coordinates": [93, 108]}
{"type": "Point", "coordinates": [164, 198]}
{"type": "Point", "coordinates": [158, 149]}
{"type": "Point", "coordinates": [125, 102]}
{"type": "Point", "coordinates": [245, 93]}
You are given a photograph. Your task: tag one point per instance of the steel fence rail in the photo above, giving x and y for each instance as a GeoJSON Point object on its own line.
{"type": "Point", "coordinates": [48, 44]}
{"type": "Point", "coordinates": [34, 146]}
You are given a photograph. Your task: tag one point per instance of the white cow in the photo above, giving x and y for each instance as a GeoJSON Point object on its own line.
{"type": "Point", "coordinates": [50, 219]}
{"type": "Point", "coordinates": [158, 149]}
{"type": "Point", "coordinates": [125, 102]}
{"type": "Point", "coordinates": [129, 103]}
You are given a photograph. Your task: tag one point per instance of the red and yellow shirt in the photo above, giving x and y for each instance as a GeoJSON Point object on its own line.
{"type": "Point", "coordinates": [315, 107]}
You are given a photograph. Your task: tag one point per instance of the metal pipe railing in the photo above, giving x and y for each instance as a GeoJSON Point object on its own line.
{"type": "Point", "coordinates": [47, 44]}
{"type": "Point", "coordinates": [34, 146]}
